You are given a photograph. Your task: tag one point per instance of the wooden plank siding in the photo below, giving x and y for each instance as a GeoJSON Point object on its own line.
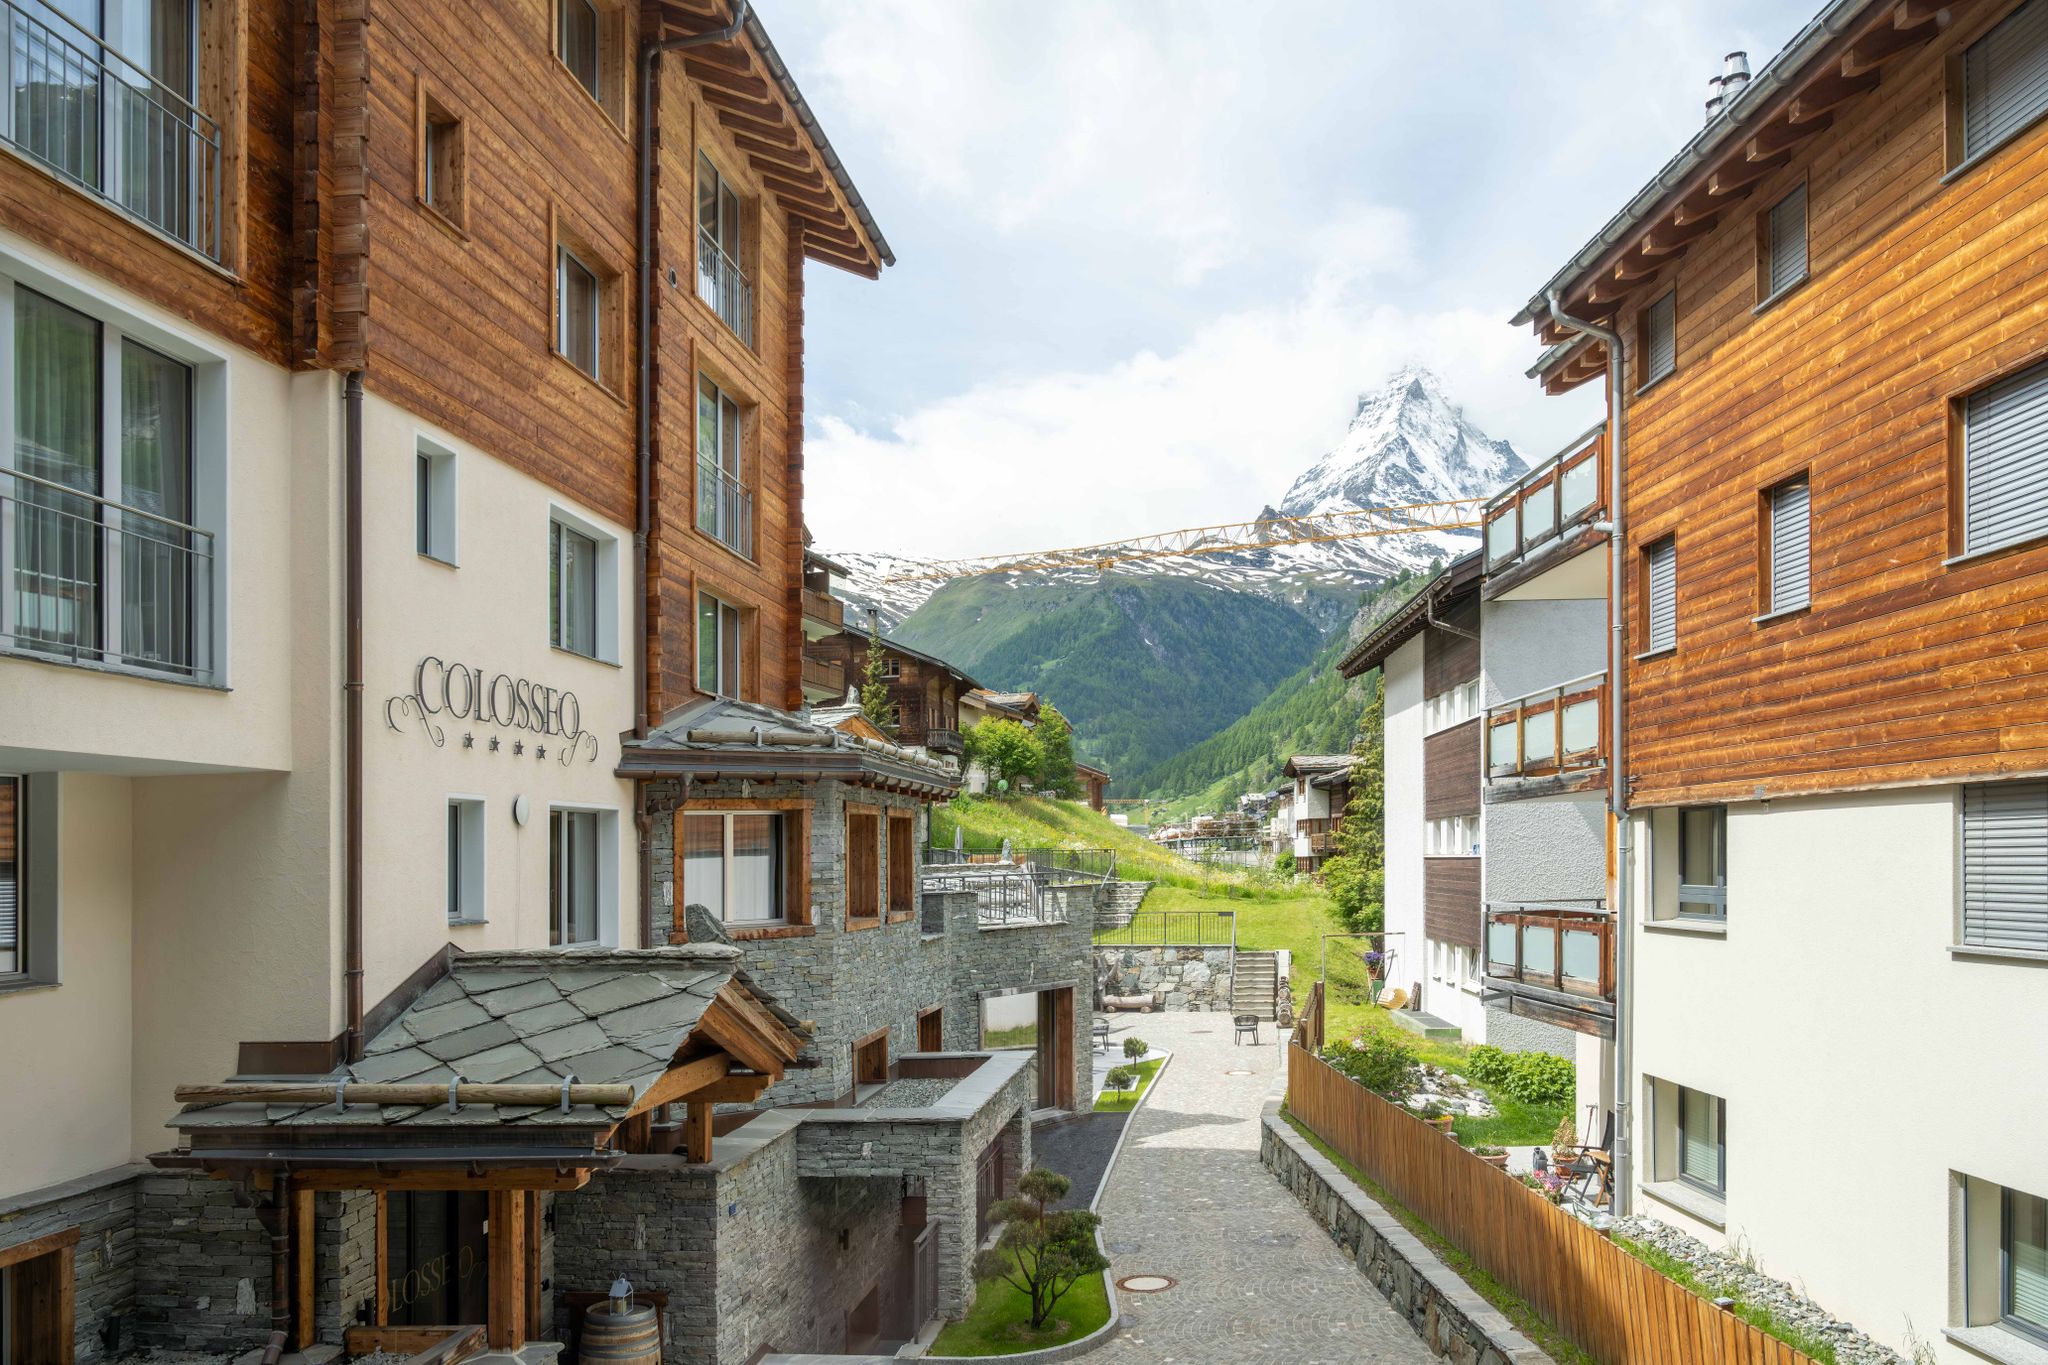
{"type": "Point", "coordinates": [1451, 910]}
{"type": "Point", "coordinates": [1905, 669]}
{"type": "Point", "coordinates": [1450, 771]}
{"type": "Point", "coordinates": [1447, 657]}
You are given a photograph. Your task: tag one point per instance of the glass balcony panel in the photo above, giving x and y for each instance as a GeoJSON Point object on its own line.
{"type": "Point", "coordinates": [1582, 956]}
{"type": "Point", "coordinates": [1501, 533]}
{"type": "Point", "coordinates": [1500, 948]}
{"type": "Point", "coordinates": [1539, 950]}
{"type": "Point", "coordinates": [1500, 747]}
{"type": "Point", "coordinates": [1582, 725]}
{"type": "Point", "coordinates": [1539, 739]}
{"type": "Point", "coordinates": [1539, 513]}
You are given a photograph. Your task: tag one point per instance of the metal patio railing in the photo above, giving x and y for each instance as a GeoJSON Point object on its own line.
{"type": "Point", "coordinates": [86, 578]}
{"type": "Point", "coordinates": [722, 284]}
{"type": "Point", "coordinates": [1004, 893]}
{"type": "Point", "coordinates": [84, 112]}
{"type": "Point", "coordinates": [725, 509]}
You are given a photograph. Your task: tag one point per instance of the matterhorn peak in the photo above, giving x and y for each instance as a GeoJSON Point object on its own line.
{"type": "Point", "coordinates": [1408, 443]}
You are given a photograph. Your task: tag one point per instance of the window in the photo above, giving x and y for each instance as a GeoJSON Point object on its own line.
{"type": "Point", "coordinates": [1657, 340]}
{"type": "Point", "coordinates": [931, 1031]}
{"type": "Point", "coordinates": [1454, 706]}
{"type": "Point", "coordinates": [863, 864]}
{"type": "Point", "coordinates": [718, 646]}
{"type": "Point", "coordinates": [2004, 82]}
{"type": "Point", "coordinates": [1788, 572]}
{"type": "Point", "coordinates": [2005, 865]}
{"type": "Point", "coordinates": [12, 950]}
{"type": "Point", "coordinates": [1660, 594]}
{"type": "Point", "coordinates": [725, 509]}
{"type": "Point", "coordinates": [28, 898]}
{"type": "Point", "coordinates": [437, 1256]}
{"type": "Point", "coordinates": [1453, 836]}
{"type": "Point", "coordinates": [902, 862]}
{"type": "Point", "coordinates": [1703, 862]}
{"type": "Point", "coordinates": [579, 877]}
{"type": "Point", "coordinates": [434, 501]}
{"type": "Point", "coordinates": [2023, 1248]}
{"type": "Point", "coordinates": [1781, 247]}
{"type": "Point", "coordinates": [572, 583]}
{"type": "Point", "coordinates": [720, 280]}
{"type": "Point", "coordinates": [578, 305]}
{"type": "Point", "coordinates": [577, 42]}
{"type": "Point", "coordinates": [590, 42]}
{"type": "Point", "coordinates": [2005, 460]}
{"type": "Point", "coordinates": [892, 667]}
{"type": "Point", "coordinates": [735, 865]}
{"type": "Point", "coordinates": [871, 1059]}
{"type": "Point", "coordinates": [106, 564]}
{"type": "Point", "coordinates": [443, 160]}
{"type": "Point", "coordinates": [1702, 1152]}
{"type": "Point", "coordinates": [465, 860]}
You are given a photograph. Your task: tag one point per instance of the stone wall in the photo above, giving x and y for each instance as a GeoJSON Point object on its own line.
{"type": "Point", "coordinates": [345, 1252]}
{"type": "Point", "coordinates": [1193, 978]}
{"type": "Point", "coordinates": [102, 1208]}
{"type": "Point", "coordinates": [202, 1270]}
{"type": "Point", "coordinates": [1446, 1313]}
{"type": "Point", "coordinates": [652, 1220]}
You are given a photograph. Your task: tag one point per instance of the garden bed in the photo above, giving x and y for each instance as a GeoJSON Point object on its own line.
{"type": "Point", "coordinates": [995, 1325]}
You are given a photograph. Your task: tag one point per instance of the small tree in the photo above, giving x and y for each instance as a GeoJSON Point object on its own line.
{"type": "Point", "coordinates": [1041, 1253]}
{"type": "Point", "coordinates": [1005, 750]}
{"type": "Point", "coordinates": [874, 692]}
{"type": "Point", "coordinates": [1119, 1079]}
{"type": "Point", "coordinates": [1056, 749]}
{"type": "Point", "coordinates": [1136, 1048]}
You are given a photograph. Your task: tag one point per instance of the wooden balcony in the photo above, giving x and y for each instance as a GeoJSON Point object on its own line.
{"type": "Point", "coordinates": [1548, 742]}
{"type": "Point", "coordinates": [824, 614]}
{"type": "Point", "coordinates": [825, 677]}
{"type": "Point", "coordinates": [1321, 835]}
{"type": "Point", "coordinates": [1552, 505]}
{"type": "Point", "coordinates": [1553, 961]}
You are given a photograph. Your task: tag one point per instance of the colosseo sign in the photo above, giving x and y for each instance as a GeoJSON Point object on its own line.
{"type": "Point", "coordinates": [443, 693]}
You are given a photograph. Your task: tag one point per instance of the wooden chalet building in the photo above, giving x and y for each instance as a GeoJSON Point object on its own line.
{"type": "Point", "coordinates": [926, 693]}
{"type": "Point", "coordinates": [1824, 330]}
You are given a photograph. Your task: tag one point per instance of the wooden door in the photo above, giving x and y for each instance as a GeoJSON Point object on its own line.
{"type": "Point", "coordinates": [1056, 1048]}
{"type": "Point", "coordinates": [931, 1036]}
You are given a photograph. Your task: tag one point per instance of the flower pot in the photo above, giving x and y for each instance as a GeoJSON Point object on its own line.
{"type": "Point", "coordinates": [1499, 1163]}
{"type": "Point", "coordinates": [1442, 1125]}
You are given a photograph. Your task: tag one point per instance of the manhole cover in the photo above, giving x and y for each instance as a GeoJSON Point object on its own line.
{"type": "Point", "coordinates": [1146, 1284]}
{"type": "Point", "coordinates": [1124, 1248]}
{"type": "Point", "coordinates": [1240, 1071]}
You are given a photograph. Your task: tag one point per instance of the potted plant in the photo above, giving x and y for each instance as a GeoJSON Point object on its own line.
{"type": "Point", "coordinates": [1435, 1116]}
{"type": "Point", "coordinates": [1565, 1141]}
{"type": "Point", "coordinates": [1376, 963]}
{"type": "Point", "coordinates": [1496, 1157]}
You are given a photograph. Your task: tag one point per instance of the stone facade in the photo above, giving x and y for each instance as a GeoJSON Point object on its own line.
{"type": "Point", "coordinates": [102, 1208]}
{"type": "Point", "coordinates": [1193, 978]}
{"type": "Point", "coordinates": [346, 1258]}
{"type": "Point", "coordinates": [203, 1270]}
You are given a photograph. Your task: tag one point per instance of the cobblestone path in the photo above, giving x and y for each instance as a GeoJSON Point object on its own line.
{"type": "Point", "coordinates": [1257, 1280]}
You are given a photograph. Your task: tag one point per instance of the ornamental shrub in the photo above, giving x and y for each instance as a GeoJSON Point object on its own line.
{"type": "Point", "coordinates": [1487, 1065]}
{"type": "Point", "coordinates": [1531, 1077]}
{"type": "Point", "coordinates": [1381, 1062]}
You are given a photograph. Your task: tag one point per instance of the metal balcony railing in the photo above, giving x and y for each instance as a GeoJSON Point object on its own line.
{"type": "Point", "coordinates": [85, 113]}
{"type": "Point", "coordinates": [88, 579]}
{"type": "Point", "coordinates": [725, 508]}
{"type": "Point", "coordinates": [722, 284]}
{"type": "Point", "coordinates": [1556, 496]}
{"type": "Point", "coordinates": [1565, 946]}
{"type": "Point", "coordinates": [1557, 731]}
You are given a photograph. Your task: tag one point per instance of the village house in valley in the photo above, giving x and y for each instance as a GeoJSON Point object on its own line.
{"type": "Point", "coordinates": [1823, 327]}
{"type": "Point", "coordinates": [414, 863]}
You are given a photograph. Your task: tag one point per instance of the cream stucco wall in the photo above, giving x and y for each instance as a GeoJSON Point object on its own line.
{"type": "Point", "coordinates": [1402, 677]}
{"type": "Point", "coordinates": [1861, 1062]}
{"type": "Point", "coordinates": [65, 1066]}
{"type": "Point", "coordinates": [490, 614]}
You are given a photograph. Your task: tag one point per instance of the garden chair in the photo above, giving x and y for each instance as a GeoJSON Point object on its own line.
{"type": "Point", "coordinates": [1591, 1178]}
{"type": "Point", "coordinates": [1101, 1030]}
{"type": "Point", "coordinates": [1246, 1023]}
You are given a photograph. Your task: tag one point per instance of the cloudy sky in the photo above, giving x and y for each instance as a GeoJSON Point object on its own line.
{"type": "Point", "coordinates": [1149, 251]}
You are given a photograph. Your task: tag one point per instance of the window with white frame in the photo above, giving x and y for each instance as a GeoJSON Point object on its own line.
{"type": "Point", "coordinates": [1452, 836]}
{"type": "Point", "coordinates": [1453, 706]}
{"type": "Point", "coordinates": [1702, 1148]}
{"type": "Point", "coordinates": [465, 860]}
{"type": "Point", "coordinates": [1703, 862]}
{"type": "Point", "coordinates": [582, 588]}
{"type": "Point", "coordinates": [2004, 81]}
{"type": "Point", "coordinates": [733, 865]}
{"type": "Point", "coordinates": [582, 881]}
{"type": "Point", "coordinates": [1788, 576]}
{"type": "Point", "coordinates": [103, 494]}
{"type": "Point", "coordinates": [718, 646]}
{"type": "Point", "coordinates": [2005, 459]}
{"type": "Point", "coordinates": [434, 501]}
{"type": "Point", "coordinates": [2005, 865]}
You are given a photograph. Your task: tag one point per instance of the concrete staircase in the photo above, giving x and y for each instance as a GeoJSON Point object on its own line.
{"type": "Point", "coordinates": [1255, 984]}
{"type": "Point", "coordinates": [1120, 901]}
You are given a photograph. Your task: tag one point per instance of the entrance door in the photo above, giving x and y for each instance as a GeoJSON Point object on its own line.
{"type": "Point", "coordinates": [1056, 1048]}
{"type": "Point", "coordinates": [924, 1278]}
{"type": "Point", "coordinates": [988, 1185]}
{"type": "Point", "coordinates": [435, 1247]}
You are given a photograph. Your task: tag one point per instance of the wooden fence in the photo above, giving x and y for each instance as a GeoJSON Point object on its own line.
{"type": "Point", "coordinates": [1608, 1303]}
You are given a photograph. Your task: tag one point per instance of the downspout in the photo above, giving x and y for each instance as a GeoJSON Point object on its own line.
{"type": "Point", "coordinates": [1617, 767]}
{"type": "Point", "coordinates": [352, 715]}
{"type": "Point", "coordinates": [643, 490]}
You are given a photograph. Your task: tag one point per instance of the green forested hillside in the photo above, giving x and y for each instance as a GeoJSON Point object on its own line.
{"type": "Point", "coordinates": [1143, 667]}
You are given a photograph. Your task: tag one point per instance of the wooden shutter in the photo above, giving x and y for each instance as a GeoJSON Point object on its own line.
{"type": "Point", "coordinates": [1787, 238]}
{"type": "Point", "coordinates": [2005, 79]}
{"type": "Point", "coordinates": [2005, 865]}
{"type": "Point", "coordinates": [1662, 584]}
{"type": "Point", "coordinates": [1791, 553]}
{"type": "Point", "coordinates": [1660, 339]}
{"type": "Point", "coordinates": [2005, 461]}
{"type": "Point", "coordinates": [863, 864]}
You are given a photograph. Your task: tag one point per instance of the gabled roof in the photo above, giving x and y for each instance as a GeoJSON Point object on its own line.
{"type": "Point", "coordinates": [1081, 767]}
{"type": "Point", "coordinates": [889, 646]}
{"type": "Point", "coordinates": [1460, 576]}
{"type": "Point", "coordinates": [720, 737]}
{"type": "Point", "coordinates": [1309, 765]}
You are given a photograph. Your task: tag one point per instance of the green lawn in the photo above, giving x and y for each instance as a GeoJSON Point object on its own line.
{"type": "Point", "coordinates": [1039, 822]}
{"type": "Point", "coordinates": [995, 1326]}
{"type": "Point", "coordinates": [1110, 1102]}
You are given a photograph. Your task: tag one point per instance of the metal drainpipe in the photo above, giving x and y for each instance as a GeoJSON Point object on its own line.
{"type": "Point", "coordinates": [650, 64]}
{"type": "Point", "coordinates": [352, 722]}
{"type": "Point", "coordinates": [1617, 768]}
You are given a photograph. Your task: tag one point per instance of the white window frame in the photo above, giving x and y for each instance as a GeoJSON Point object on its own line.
{"type": "Point", "coordinates": [1453, 706]}
{"type": "Point", "coordinates": [1702, 893]}
{"type": "Point", "coordinates": [784, 821]}
{"type": "Point", "coordinates": [434, 501]}
{"type": "Point", "coordinates": [1452, 836]}
{"type": "Point", "coordinates": [606, 634]}
{"type": "Point", "coordinates": [607, 873]}
{"type": "Point", "coordinates": [211, 622]}
{"type": "Point", "coordinates": [1719, 1187]}
{"type": "Point", "coordinates": [465, 881]}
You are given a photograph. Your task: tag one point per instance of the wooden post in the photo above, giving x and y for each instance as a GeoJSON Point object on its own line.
{"type": "Point", "coordinates": [383, 1258]}
{"type": "Point", "coordinates": [535, 1328]}
{"type": "Point", "coordinates": [697, 1131]}
{"type": "Point", "coordinates": [506, 1330]}
{"type": "Point", "coordinates": [302, 1268]}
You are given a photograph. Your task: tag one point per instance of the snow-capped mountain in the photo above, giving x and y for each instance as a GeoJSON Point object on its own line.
{"type": "Point", "coordinates": [1408, 442]}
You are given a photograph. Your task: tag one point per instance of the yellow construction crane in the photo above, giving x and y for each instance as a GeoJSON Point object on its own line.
{"type": "Point", "coordinates": [1458, 514]}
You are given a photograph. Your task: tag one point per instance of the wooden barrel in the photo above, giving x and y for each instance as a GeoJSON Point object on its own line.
{"type": "Point", "coordinates": [629, 1338]}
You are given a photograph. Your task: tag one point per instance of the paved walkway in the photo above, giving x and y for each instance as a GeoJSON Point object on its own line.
{"type": "Point", "coordinates": [1258, 1280]}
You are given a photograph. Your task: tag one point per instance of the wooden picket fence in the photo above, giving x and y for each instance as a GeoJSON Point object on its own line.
{"type": "Point", "coordinates": [1608, 1303]}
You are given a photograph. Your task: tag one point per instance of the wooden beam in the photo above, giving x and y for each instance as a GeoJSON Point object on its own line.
{"type": "Point", "coordinates": [725, 1028]}
{"type": "Point", "coordinates": [303, 1279]}
{"type": "Point", "coordinates": [1878, 45]}
{"type": "Point", "coordinates": [1739, 177]}
{"type": "Point", "coordinates": [777, 153]}
{"type": "Point", "coordinates": [714, 76]}
{"type": "Point", "coordinates": [679, 1081]}
{"type": "Point", "coordinates": [767, 129]}
{"type": "Point", "coordinates": [383, 1310]}
{"type": "Point", "coordinates": [738, 1088]}
{"type": "Point", "coordinates": [790, 192]}
{"type": "Point", "coordinates": [737, 103]}
{"type": "Point", "coordinates": [1776, 138]}
{"type": "Point", "coordinates": [1667, 239]}
{"type": "Point", "coordinates": [1632, 267]}
{"type": "Point", "coordinates": [1827, 93]}
{"type": "Point", "coordinates": [506, 1252]}
{"type": "Point", "coordinates": [508, 1178]}
{"type": "Point", "coordinates": [697, 1131]}
{"type": "Point", "coordinates": [403, 1094]}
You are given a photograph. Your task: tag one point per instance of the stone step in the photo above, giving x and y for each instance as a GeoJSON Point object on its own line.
{"type": "Point", "coordinates": [1428, 1025]}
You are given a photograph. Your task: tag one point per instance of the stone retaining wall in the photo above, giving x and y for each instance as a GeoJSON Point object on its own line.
{"type": "Point", "coordinates": [1449, 1316]}
{"type": "Point", "coordinates": [1193, 978]}
{"type": "Point", "coordinates": [102, 1208]}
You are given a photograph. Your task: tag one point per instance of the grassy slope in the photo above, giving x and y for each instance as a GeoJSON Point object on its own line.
{"type": "Point", "coordinates": [1039, 823]}
{"type": "Point", "coordinates": [1144, 668]}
